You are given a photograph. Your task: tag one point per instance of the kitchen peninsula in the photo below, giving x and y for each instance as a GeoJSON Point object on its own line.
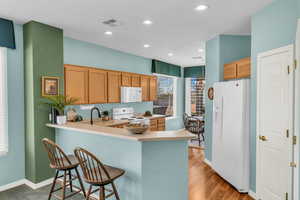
{"type": "Point", "coordinates": [156, 163]}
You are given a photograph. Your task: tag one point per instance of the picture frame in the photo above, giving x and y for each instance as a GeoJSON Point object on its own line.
{"type": "Point", "coordinates": [50, 86]}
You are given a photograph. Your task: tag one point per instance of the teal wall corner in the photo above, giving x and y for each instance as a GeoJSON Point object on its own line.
{"type": "Point", "coordinates": [14, 161]}
{"type": "Point", "coordinates": [43, 56]}
{"type": "Point", "coordinates": [272, 27]}
{"type": "Point", "coordinates": [219, 51]}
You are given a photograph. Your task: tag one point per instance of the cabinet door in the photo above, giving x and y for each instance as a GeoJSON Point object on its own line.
{"type": "Point", "coordinates": [126, 79]}
{"type": "Point", "coordinates": [145, 84]}
{"type": "Point", "coordinates": [114, 87]}
{"type": "Point", "coordinates": [244, 68]}
{"type": "Point", "coordinates": [153, 88]}
{"type": "Point", "coordinates": [97, 86]}
{"type": "Point", "coordinates": [153, 124]}
{"type": "Point", "coordinates": [76, 83]}
{"type": "Point", "coordinates": [161, 124]}
{"type": "Point", "coordinates": [135, 80]}
{"type": "Point", "coordinates": [230, 71]}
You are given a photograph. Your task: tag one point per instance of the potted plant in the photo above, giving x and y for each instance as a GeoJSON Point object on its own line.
{"type": "Point", "coordinates": [105, 115]}
{"type": "Point", "coordinates": [59, 102]}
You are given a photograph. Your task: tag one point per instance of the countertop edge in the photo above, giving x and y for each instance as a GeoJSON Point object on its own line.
{"type": "Point", "coordinates": [150, 139]}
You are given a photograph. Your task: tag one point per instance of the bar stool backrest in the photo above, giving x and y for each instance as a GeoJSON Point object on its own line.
{"type": "Point", "coordinates": [93, 170]}
{"type": "Point", "coordinates": [58, 158]}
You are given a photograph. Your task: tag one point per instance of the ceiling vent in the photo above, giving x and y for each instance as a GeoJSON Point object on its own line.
{"type": "Point", "coordinates": [111, 22]}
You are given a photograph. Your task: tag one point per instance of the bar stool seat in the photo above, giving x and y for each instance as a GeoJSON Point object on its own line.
{"type": "Point", "coordinates": [65, 164]}
{"type": "Point", "coordinates": [113, 172]}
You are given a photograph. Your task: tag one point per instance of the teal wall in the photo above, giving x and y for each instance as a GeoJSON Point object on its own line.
{"type": "Point", "coordinates": [272, 27]}
{"type": "Point", "coordinates": [87, 54]}
{"type": "Point", "coordinates": [14, 161]}
{"type": "Point", "coordinates": [219, 51]}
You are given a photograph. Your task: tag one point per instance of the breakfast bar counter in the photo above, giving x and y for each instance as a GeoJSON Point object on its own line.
{"type": "Point", "coordinates": [156, 163]}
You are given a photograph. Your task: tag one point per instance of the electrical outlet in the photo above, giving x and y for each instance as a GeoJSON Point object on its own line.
{"type": "Point", "coordinates": [86, 107]}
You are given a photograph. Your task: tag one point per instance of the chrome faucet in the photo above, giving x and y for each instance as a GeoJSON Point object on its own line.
{"type": "Point", "coordinates": [99, 114]}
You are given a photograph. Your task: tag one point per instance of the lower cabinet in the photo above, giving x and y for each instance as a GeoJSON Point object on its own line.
{"type": "Point", "coordinates": [158, 124]}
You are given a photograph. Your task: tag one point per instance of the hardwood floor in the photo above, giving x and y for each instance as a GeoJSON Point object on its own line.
{"type": "Point", "coordinates": [205, 184]}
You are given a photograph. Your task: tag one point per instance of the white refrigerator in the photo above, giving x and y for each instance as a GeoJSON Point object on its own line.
{"type": "Point", "coordinates": [231, 132]}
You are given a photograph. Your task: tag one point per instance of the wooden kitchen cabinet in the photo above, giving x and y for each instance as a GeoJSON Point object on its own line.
{"type": "Point", "coordinates": [77, 83]}
{"type": "Point", "coordinates": [153, 88]}
{"type": "Point", "coordinates": [126, 79]}
{"type": "Point", "coordinates": [145, 84]}
{"type": "Point", "coordinates": [114, 87]}
{"type": "Point", "coordinates": [97, 86]}
{"type": "Point", "coordinates": [135, 80]}
{"type": "Point", "coordinates": [238, 69]}
{"type": "Point", "coordinates": [244, 68]}
{"type": "Point", "coordinates": [158, 124]}
{"type": "Point", "coordinates": [230, 71]}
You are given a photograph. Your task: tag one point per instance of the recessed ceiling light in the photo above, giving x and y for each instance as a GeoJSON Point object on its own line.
{"type": "Point", "coordinates": [147, 22]}
{"type": "Point", "coordinates": [170, 54]}
{"type": "Point", "coordinates": [201, 7]}
{"type": "Point", "coordinates": [108, 33]}
{"type": "Point", "coordinates": [200, 50]}
{"type": "Point", "coordinates": [146, 45]}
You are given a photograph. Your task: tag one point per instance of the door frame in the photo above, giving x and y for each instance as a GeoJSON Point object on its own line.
{"type": "Point", "coordinates": [297, 113]}
{"type": "Point", "coordinates": [289, 48]}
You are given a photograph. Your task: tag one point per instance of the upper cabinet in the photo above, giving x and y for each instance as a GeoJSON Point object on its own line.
{"type": "Point", "coordinates": [97, 86]}
{"type": "Point", "coordinates": [153, 88]}
{"type": "Point", "coordinates": [238, 69]}
{"type": "Point", "coordinates": [136, 80]}
{"type": "Point", "coordinates": [244, 68]}
{"type": "Point", "coordinates": [126, 79]}
{"type": "Point", "coordinates": [114, 87]}
{"type": "Point", "coordinates": [145, 85]}
{"type": "Point", "coordinates": [76, 83]}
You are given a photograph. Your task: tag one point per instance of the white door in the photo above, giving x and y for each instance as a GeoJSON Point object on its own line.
{"type": "Point", "coordinates": [275, 124]}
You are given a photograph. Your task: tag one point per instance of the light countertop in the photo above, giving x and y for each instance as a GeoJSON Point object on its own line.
{"type": "Point", "coordinates": [105, 130]}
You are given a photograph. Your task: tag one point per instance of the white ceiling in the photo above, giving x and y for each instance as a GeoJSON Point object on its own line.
{"type": "Point", "coordinates": [176, 28]}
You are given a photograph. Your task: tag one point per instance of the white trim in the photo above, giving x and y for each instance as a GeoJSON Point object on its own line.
{"type": "Point", "coordinates": [289, 48]}
{"type": "Point", "coordinates": [35, 186]}
{"type": "Point", "coordinates": [207, 162]}
{"type": "Point", "coordinates": [12, 185]}
{"type": "Point", "coordinates": [297, 114]}
{"type": "Point", "coordinates": [188, 96]}
{"type": "Point", "coordinates": [252, 194]}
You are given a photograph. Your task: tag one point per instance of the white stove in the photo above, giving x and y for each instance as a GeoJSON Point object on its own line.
{"type": "Point", "coordinates": [128, 114]}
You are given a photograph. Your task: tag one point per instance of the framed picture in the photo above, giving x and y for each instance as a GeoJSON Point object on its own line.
{"type": "Point", "coordinates": [210, 93]}
{"type": "Point", "coordinates": [50, 86]}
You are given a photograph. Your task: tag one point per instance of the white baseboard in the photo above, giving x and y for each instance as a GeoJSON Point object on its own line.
{"type": "Point", "coordinates": [12, 185]}
{"type": "Point", "coordinates": [252, 194]}
{"type": "Point", "coordinates": [35, 186]}
{"type": "Point", "coordinates": [207, 162]}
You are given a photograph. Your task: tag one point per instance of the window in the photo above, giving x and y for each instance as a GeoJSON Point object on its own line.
{"type": "Point", "coordinates": [195, 101]}
{"type": "Point", "coordinates": [166, 96]}
{"type": "Point", "coordinates": [3, 106]}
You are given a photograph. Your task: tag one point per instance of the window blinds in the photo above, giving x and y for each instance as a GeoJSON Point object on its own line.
{"type": "Point", "coordinates": [3, 102]}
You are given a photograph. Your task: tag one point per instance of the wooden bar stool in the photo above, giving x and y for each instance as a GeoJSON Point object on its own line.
{"type": "Point", "coordinates": [97, 174]}
{"type": "Point", "coordinates": [63, 163]}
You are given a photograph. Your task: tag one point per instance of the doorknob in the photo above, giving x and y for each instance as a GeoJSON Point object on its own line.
{"type": "Point", "coordinates": [263, 138]}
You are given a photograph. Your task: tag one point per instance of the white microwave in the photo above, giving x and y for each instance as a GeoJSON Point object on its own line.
{"type": "Point", "coordinates": [131, 94]}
